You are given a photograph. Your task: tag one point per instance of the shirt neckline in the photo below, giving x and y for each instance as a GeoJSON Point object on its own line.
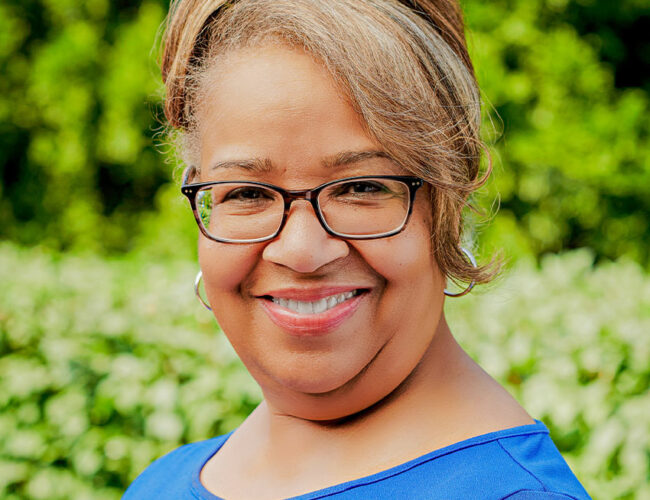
{"type": "Point", "coordinates": [201, 493]}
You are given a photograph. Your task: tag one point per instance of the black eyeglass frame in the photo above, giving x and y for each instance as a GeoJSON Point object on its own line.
{"type": "Point", "coordinates": [310, 195]}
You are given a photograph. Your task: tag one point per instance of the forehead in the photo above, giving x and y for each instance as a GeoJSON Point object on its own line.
{"type": "Point", "coordinates": [271, 72]}
{"type": "Point", "coordinates": [279, 103]}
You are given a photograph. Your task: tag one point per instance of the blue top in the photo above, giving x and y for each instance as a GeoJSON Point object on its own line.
{"type": "Point", "coordinates": [521, 463]}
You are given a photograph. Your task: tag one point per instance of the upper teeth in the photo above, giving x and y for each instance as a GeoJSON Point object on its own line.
{"type": "Point", "coordinates": [315, 307]}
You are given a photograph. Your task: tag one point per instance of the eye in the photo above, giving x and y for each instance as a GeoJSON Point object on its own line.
{"type": "Point", "coordinates": [367, 187]}
{"type": "Point", "coordinates": [248, 194]}
{"type": "Point", "coordinates": [362, 189]}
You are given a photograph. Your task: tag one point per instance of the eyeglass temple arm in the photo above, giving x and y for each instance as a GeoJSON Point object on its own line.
{"type": "Point", "coordinates": [187, 173]}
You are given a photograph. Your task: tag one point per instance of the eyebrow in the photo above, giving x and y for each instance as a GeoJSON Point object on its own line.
{"type": "Point", "coordinates": [257, 165]}
{"type": "Point", "coordinates": [265, 165]}
{"type": "Point", "coordinates": [349, 157]}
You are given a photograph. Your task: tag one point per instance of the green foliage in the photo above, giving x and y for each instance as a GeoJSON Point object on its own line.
{"type": "Point", "coordinates": [105, 365]}
{"type": "Point", "coordinates": [573, 167]}
{"type": "Point", "coordinates": [80, 102]}
{"type": "Point", "coordinates": [77, 103]}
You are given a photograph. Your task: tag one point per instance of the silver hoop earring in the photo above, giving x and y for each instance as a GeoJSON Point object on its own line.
{"type": "Point", "coordinates": [471, 258]}
{"type": "Point", "coordinates": [197, 282]}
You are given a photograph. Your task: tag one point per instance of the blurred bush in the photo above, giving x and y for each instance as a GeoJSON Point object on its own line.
{"type": "Point", "coordinates": [107, 364]}
{"type": "Point", "coordinates": [573, 163]}
{"type": "Point", "coordinates": [570, 341]}
{"type": "Point", "coordinates": [79, 98]}
{"type": "Point", "coordinates": [80, 107]}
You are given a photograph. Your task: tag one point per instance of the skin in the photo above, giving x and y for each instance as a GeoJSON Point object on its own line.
{"type": "Point", "coordinates": [387, 385]}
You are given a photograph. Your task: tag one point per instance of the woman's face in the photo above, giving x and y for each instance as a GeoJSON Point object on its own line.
{"type": "Point", "coordinates": [275, 115]}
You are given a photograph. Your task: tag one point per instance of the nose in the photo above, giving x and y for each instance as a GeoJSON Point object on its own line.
{"type": "Point", "coordinates": [303, 245]}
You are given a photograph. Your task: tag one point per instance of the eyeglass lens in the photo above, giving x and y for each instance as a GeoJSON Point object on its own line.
{"type": "Point", "coordinates": [240, 211]}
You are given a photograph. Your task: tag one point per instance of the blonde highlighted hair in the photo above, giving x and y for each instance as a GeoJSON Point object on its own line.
{"type": "Point", "coordinates": [403, 65]}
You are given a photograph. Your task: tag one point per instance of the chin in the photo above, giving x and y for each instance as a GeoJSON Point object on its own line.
{"type": "Point", "coordinates": [331, 406]}
{"type": "Point", "coordinates": [310, 377]}
{"type": "Point", "coordinates": [324, 395]}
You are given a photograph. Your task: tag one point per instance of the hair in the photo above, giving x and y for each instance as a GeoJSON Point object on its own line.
{"type": "Point", "coordinates": [404, 66]}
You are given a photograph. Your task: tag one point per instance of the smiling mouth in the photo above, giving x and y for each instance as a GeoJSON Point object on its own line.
{"type": "Point", "coordinates": [315, 306]}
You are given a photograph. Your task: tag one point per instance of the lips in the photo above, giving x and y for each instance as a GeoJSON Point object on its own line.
{"type": "Point", "coordinates": [312, 312]}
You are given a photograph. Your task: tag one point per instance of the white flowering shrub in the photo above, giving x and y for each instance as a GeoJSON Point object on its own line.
{"type": "Point", "coordinates": [107, 364]}
{"type": "Point", "coordinates": [572, 343]}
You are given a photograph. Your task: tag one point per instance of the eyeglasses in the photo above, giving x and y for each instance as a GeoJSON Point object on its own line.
{"type": "Point", "coordinates": [356, 208]}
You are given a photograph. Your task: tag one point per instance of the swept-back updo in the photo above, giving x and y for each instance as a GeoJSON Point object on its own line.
{"type": "Point", "coordinates": [404, 67]}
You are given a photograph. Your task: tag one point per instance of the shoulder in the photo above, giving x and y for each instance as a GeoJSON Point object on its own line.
{"type": "Point", "coordinates": [539, 459]}
{"type": "Point", "coordinates": [173, 475]}
{"type": "Point", "coordinates": [520, 463]}
{"type": "Point", "coordinates": [538, 495]}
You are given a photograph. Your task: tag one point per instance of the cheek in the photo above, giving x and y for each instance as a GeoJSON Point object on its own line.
{"type": "Point", "coordinates": [225, 266]}
{"type": "Point", "coordinates": [413, 281]}
{"type": "Point", "coordinates": [405, 259]}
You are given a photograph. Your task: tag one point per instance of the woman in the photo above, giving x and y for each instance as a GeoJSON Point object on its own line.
{"type": "Point", "coordinates": [331, 148]}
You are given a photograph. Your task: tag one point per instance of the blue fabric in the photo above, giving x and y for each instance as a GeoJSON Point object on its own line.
{"type": "Point", "coordinates": [521, 463]}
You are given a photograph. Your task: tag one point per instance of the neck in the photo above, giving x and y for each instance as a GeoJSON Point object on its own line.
{"type": "Point", "coordinates": [446, 399]}
{"type": "Point", "coordinates": [440, 381]}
